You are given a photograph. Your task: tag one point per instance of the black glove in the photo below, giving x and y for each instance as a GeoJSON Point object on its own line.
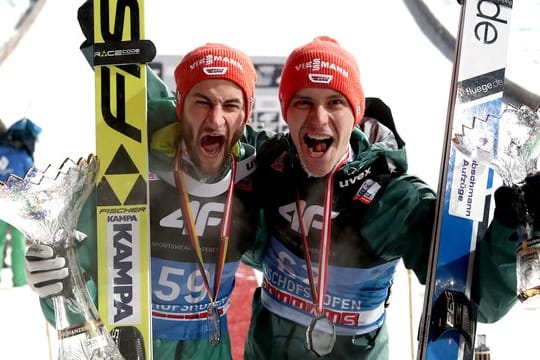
{"type": "Point", "coordinates": [519, 204]}
{"type": "Point", "coordinates": [531, 191]}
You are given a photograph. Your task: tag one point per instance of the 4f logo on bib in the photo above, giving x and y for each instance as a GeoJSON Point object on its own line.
{"type": "Point", "coordinates": [206, 215]}
{"type": "Point", "coordinates": [312, 215]}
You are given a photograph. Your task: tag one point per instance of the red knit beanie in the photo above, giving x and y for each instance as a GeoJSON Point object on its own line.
{"type": "Point", "coordinates": [322, 63]}
{"type": "Point", "coordinates": [215, 61]}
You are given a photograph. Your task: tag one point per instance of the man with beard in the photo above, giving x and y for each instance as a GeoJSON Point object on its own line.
{"type": "Point", "coordinates": [340, 213]}
{"type": "Point", "coordinates": [202, 212]}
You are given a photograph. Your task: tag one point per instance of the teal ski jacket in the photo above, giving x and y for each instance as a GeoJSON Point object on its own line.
{"type": "Point", "coordinates": [380, 215]}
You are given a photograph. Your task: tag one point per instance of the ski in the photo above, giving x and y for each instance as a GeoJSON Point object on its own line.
{"type": "Point", "coordinates": [448, 324]}
{"type": "Point", "coordinates": [123, 244]}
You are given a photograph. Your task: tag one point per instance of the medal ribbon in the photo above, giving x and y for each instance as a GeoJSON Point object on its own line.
{"type": "Point", "coordinates": [192, 231]}
{"type": "Point", "coordinates": [318, 293]}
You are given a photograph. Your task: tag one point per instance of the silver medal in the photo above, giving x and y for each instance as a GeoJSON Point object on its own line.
{"type": "Point", "coordinates": [321, 336]}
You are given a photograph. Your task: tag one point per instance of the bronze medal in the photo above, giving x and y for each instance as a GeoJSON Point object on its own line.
{"type": "Point", "coordinates": [213, 320]}
{"type": "Point", "coordinates": [213, 325]}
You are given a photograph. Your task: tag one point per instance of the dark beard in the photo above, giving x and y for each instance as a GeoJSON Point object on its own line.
{"type": "Point", "coordinates": [193, 167]}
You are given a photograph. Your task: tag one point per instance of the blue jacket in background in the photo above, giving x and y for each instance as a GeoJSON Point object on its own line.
{"type": "Point", "coordinates": [14, 161]}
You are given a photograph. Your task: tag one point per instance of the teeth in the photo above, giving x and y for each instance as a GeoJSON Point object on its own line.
{"type": "Point", "coordinates": [319, 137]}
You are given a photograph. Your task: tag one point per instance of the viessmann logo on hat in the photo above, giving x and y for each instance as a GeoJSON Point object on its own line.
{"type": "Point", "coordinates": [320, 78]}
{"type": "Point", "coordinates": [319, 65]}
{"type": "Point", "coordinates": [211, 59]}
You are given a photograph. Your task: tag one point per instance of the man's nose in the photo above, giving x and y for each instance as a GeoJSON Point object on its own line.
{"type": "Point", "coordinates": [318, 114]}
{"type": "Point", "coordinates": [216, 115]}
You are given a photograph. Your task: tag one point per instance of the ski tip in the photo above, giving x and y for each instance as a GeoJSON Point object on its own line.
{"type": "Point", "coordinates": [130, 342]}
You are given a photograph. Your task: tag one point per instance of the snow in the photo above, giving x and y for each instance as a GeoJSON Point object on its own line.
{"type": "Point", "coordinates": [48, 80]}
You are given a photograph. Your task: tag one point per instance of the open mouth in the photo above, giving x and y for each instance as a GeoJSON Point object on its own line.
{"type": "Point", "coordinates": [318, 144]}
{"type": "Point", "coordinates": [212, 144]}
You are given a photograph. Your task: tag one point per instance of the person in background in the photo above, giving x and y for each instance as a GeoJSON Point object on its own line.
{"type": "Point", "coordinates": [339, 214]}
{"type": "Point", "coordinates": [2, 131]}
{"type": "Point", "coordinates": [17, 145]}
{"type": "Point", "coordinates": [202, 211]}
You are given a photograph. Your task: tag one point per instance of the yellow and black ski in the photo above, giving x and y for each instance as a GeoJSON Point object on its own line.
{"type": "Point", "coordinates": [120, 55]}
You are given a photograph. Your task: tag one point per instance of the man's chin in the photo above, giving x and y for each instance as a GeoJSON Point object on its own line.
{"type": "Point", "coordinates": [317, 167]}
{"type": "Point", "coordinates": [212, 164]}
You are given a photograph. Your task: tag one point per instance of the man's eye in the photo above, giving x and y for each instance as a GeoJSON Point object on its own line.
{"type": "Point", "coordinates": [202, 103]}
{"type": "Point", "coordinates": [231, 107]}
{"type": "Point", "coordinates": [302, 103]}
{"type": "Point", "coordinates": [336, 102]}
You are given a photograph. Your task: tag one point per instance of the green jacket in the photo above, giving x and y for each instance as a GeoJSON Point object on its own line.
{"type": "Point", "coordinates": [163, 134]}
{"type": "Point", "coordinates": [366, 243]}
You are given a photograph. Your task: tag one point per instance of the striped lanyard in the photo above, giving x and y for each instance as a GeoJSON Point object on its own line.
{"type": "Point", "coordinates": [318, 292]}
{"type": "Point", "coordinates": [192, 231]}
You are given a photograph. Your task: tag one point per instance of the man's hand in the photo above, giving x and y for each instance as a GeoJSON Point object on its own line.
{"type": "Point", "coordinates": [518, 204]}
{"type": "Point", "coordinates": [45, 271]}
